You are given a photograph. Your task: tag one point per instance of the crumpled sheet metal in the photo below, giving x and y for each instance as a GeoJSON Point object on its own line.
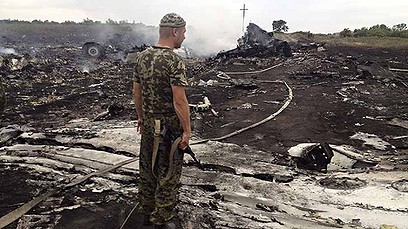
{"type": "Point", "coordinates": [344, 156]}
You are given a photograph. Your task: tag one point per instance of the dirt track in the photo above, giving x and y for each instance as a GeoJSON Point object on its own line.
{"type": "Point", "coordinates": [338, 93]}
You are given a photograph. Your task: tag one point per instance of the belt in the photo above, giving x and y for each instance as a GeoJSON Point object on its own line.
{"type": "Point", "coordinates": [156, 142]}
{"type": "Point", "coordinates": [173, 150]}
{"type": "Point", "coordinates": [158, 133]}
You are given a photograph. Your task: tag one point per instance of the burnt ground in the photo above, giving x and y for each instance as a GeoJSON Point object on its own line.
{"type": "Point", "coordinates": [337, 93]}
{"type": "Point", "coordinates": [320, 111]}
{"type": "Point", "coordinates": [331, 95]}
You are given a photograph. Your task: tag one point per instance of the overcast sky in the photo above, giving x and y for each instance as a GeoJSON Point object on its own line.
{"type": "Point", "coordinates": [326, 16]}
{"type": "Point", "coordinates": [221, 19]}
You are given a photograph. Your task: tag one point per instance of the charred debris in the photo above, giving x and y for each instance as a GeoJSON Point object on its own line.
{"type": "Point", "coordinates": [256, 42]}
{"type": "Point", "coordinates": [34, 84]}
{"type": "Point", "coordinates": [69, 112]}
{"type": "Point", "coordinates": [114, 46]}
{"type": "Point", "coordinates": [94, 70]}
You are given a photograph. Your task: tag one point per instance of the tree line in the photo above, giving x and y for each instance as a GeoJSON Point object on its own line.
{"type": "Point", "coordinates": [400, 30]}
{"type": "Point", "coordinates": [86, 21]}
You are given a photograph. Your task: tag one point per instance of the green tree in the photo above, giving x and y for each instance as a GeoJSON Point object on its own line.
{"type": "Point", "coordinates": [279, 26]}
{"type": "Point", "coordinates": [380, 30]}
{"type": "Point", "coordinates": [363, 32]}
{"type": "Point", "coordinates": [123, 22]}
{"type": "Point", "coordinates": [37, 21]}
{"type": "Point", "coordinates": [111, 22]}
{"type": "Point", "coordinates": [400, 27]}
{"type": "Point", "coordinates": [346, 33]}
{"type": "Point", "coordinates": [68, 22]}
{"type": "Point", "coordinates": [87, 21]}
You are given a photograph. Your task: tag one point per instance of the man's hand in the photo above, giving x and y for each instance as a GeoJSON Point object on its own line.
{"type": "Point", "coordinates": [184, 143]}
{"type": "Point", "coordinates": [139, 127]}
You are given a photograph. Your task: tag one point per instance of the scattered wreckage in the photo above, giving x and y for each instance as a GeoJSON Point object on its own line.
{"type": "Point", "coordinates": [249, 184]}
{"type": "Point", "coordinates": [113, 46]}
{"type": "Point", "coordinates": [324, 157]}
{"type": "Point", "coordinates": [96, 50]}
{"type": "Point", "coordinates": [257, 42]}
{"type": "Point", "coordinates": [93, 49]}
{"type": "Point", "coordinates": [9, 63]}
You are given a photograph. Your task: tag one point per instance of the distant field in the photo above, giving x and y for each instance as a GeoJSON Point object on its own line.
{"type": "Point", "coordinates": [375, 42]}
{"type": "Point", "coordinates": [335, 40]}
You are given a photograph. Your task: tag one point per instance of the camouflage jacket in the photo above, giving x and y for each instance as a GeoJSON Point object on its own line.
{"type": "Point", "coordinates": [157, 69]}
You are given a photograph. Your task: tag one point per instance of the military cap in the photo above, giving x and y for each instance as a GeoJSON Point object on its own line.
{"type": "Point", "coordinates": [172, 20]}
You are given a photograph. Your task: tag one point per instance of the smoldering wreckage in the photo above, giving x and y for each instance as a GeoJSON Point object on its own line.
{"type": "Point", "coordinates": [325, 141]}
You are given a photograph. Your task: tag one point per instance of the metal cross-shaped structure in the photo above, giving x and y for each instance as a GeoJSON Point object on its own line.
{"type": "Point", "coordinates": [243, 17]}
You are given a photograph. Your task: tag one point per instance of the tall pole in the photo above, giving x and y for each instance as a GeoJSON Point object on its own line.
{"type": "Point", "coordinates": [243, 17]}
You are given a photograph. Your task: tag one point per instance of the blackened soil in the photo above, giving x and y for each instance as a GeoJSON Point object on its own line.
{"type": "Point", "coordinates": [15, 189]}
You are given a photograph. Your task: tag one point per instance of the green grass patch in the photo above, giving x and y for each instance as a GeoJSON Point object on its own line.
{"type": "Point", "coordinates": [374, 42]}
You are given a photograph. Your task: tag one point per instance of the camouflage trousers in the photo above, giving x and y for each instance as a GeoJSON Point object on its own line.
{"type": "Point", "coordinates": [158, 196]}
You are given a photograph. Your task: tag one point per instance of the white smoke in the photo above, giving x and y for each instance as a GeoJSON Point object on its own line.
{"type": "Point", "coordinates": [202, 41]}
{"type": "Point", "coordinates": [207, 43]}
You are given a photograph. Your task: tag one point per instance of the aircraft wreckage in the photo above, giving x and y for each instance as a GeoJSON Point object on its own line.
{"type": "Point", "coordinates": [258, 42]}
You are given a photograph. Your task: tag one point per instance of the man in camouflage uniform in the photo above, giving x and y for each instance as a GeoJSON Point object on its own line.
{"type": "Point", "coordinates": [158, 87]}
